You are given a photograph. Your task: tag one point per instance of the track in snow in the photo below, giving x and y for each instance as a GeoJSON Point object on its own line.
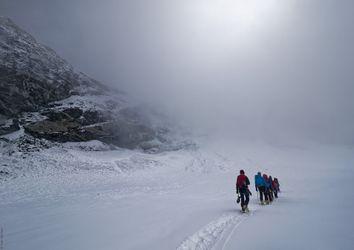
{"type": "Point", "coordinates": [217, 232]}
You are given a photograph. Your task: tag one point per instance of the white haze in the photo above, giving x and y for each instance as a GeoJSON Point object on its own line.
{"type": "Point", "coordinates": [260, 70]}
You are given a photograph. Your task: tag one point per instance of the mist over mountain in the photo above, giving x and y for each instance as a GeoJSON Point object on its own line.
{"type": "Point", "coordinates": [274, 71]}
{"type": "Point", "coordinates": [42, 95]}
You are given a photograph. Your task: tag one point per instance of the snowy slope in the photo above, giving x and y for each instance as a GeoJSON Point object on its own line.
{"type": "Point", "coordinates": [122, 199]}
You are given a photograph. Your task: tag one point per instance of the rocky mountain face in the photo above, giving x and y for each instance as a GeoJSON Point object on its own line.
{"type": "Point", "coordinates": [42, 95]}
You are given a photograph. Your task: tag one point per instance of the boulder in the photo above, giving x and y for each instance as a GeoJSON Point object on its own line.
{"type": "Point", "coordinates": [9, 126]}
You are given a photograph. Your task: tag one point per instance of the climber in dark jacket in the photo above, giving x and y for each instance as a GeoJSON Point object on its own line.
{"type": "Point", "coordinates": [276, 187]}
{"type": "Point", "coordinates": [267, 189]}
{"type": "Point", "coordinates": [242, 184]}
{"type": "Point", "coordinates": [271, 190]}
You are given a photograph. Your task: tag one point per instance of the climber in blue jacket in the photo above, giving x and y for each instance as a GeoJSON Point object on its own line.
{"type": "Point", "coordinates": [260, 187]}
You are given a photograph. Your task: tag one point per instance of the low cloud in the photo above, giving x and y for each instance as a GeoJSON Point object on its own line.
{"type": "Point", "coordinates": [273, 70]}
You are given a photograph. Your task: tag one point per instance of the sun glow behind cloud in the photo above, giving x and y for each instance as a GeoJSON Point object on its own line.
{"type": "Point", "coordinates": [226, 22]}
{"type": "Point", "coordinates": [240, 12]}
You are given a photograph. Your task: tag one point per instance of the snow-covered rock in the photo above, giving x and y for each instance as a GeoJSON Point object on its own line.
{"type": "Point", "coordinates": [52, 101]}
{"type": "Point", "coordinates": [32, 75]}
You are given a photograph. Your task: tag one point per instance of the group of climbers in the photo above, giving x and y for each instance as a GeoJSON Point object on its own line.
{"type": "Point", "coordinates": [267, 187]}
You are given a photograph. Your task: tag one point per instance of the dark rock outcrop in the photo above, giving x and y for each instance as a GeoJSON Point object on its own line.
{"type": "Point", "coordinates": [61, 131]}
{"type": "Point", "coordinates": [119, 134]}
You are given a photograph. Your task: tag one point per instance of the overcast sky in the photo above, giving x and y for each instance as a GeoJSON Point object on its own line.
{"type": "Point", "coordinates": [270, 69]}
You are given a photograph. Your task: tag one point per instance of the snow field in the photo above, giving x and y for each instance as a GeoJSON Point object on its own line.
{"type": "Point", "coordinates": [184, 199]}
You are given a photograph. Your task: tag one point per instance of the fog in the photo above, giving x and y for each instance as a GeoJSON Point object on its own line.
{"type": "Point", "coordinates": [270, 70]}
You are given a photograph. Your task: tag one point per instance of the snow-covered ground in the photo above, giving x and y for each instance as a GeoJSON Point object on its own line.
{"type": "Point", "coordinates": [121, 199]}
